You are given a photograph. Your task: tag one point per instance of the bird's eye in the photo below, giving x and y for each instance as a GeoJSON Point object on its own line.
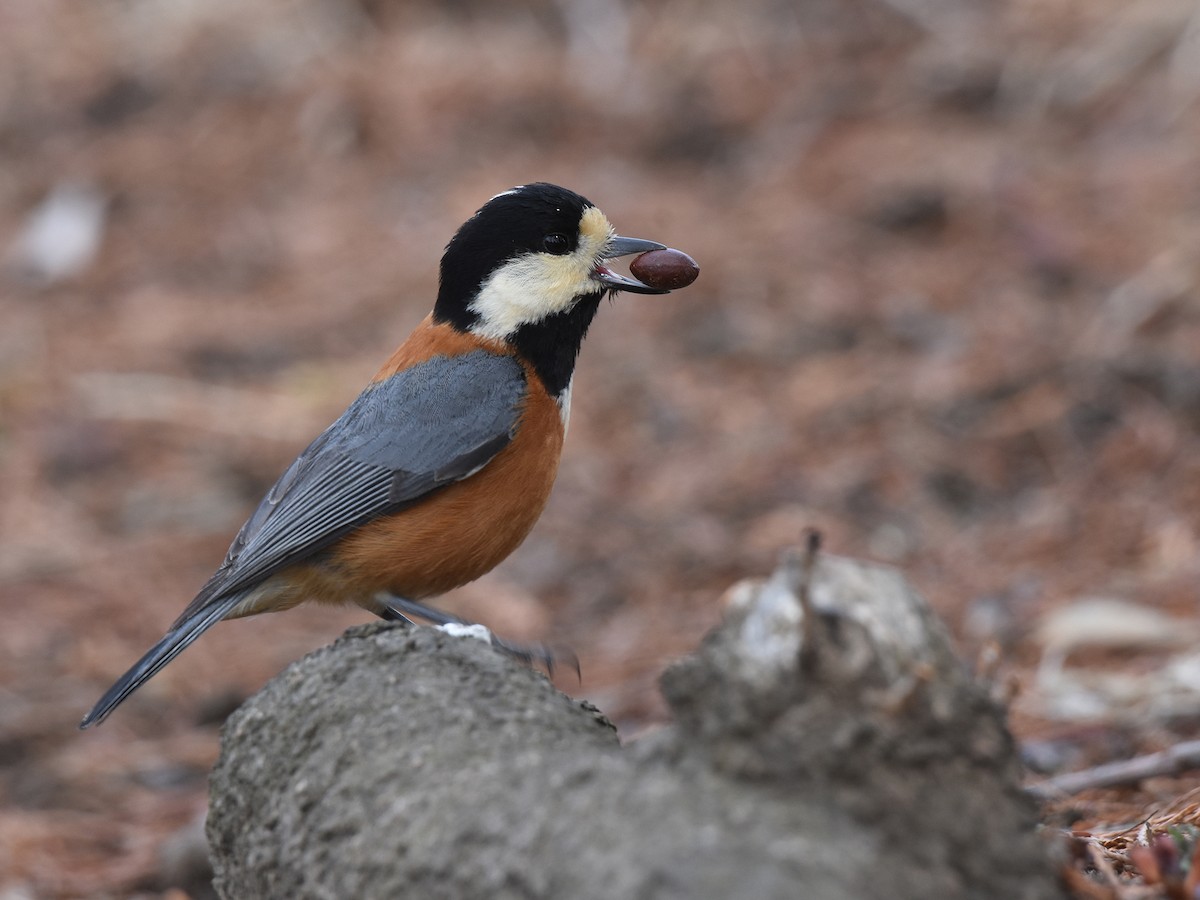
{"type": "Point", "coordinates": [556, 243]}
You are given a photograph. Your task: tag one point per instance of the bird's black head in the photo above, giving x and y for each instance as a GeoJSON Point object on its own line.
{"type": "Point", "coordinates": [527, 269]}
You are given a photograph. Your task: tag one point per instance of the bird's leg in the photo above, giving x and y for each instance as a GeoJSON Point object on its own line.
{"type": "Point", "coordinates": [401, 609]}
{"type": "Point", "coordinates": [390, 615]}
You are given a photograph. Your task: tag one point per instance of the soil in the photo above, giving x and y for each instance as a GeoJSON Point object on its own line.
{"type": "Point", "coordinates": [947, 314]}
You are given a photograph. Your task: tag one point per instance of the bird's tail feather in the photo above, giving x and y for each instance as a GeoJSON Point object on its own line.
{"type": "Point", "coordinates": [172, 644]}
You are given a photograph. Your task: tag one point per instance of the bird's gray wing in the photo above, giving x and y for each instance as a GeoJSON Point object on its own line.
{"type": "Point", "coordinates": [421, 429]}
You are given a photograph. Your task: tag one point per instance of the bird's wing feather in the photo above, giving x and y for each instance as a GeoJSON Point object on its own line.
{"type": "Point", "coordinates": [421, 429]}
{"type": "Point", "coordinates": [428, 426]}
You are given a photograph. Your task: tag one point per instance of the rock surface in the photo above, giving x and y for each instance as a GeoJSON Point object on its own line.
{"type": "Point", "coordinates": [836, 753]}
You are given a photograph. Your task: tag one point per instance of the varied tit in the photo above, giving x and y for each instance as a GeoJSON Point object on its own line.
{"type": "Point", "coordinates": [443, 464]}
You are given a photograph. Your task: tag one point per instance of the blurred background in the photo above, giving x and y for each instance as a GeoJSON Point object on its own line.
{"type": "Point", "coordinates": [947, 315]}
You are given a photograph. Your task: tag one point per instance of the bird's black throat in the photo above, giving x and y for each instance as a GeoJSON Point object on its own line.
{"type": "Point", "coordinates": [552, 344]}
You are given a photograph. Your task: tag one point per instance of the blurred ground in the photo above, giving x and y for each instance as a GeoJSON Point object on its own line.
{"type": "Point", "coordinates": [947, 314]}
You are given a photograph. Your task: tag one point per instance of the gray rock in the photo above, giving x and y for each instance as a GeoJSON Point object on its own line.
{"type": "Point", "coordinates": [827, 744]}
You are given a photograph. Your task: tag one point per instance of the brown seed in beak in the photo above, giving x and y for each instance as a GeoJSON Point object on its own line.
{"type": "Point", "coordinates": [665, 269]}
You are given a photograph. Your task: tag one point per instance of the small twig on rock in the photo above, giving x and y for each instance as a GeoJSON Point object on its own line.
{"type": "Point", "coordinates": [1171, 761]}
{"type": "Point", "coordinates": [812, 547]}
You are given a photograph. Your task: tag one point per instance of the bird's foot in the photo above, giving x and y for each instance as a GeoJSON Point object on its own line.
{"type": "Point", "coordinates": [400, 609]}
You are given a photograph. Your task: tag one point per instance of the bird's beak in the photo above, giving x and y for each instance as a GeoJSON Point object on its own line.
{"type": "Point", "coordinates": [623, 246]}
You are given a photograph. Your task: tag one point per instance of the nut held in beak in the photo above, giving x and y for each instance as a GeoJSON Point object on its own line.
{"type": "Point", "coordinates": [665, 269]}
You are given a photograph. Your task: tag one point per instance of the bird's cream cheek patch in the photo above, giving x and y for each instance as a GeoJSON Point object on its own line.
{"type": "Point", "coordinates": [537, 285]}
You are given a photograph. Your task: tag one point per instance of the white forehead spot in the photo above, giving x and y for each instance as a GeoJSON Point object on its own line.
{"type": "Point", "coordinates": [509, 192]}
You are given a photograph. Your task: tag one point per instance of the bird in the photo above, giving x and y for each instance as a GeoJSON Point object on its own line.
{"type": "Point", "coordinates": [442, 465]}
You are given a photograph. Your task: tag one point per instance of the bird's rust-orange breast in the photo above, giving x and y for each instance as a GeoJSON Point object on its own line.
{"type": "Point", "coordinates": [464, 530]}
